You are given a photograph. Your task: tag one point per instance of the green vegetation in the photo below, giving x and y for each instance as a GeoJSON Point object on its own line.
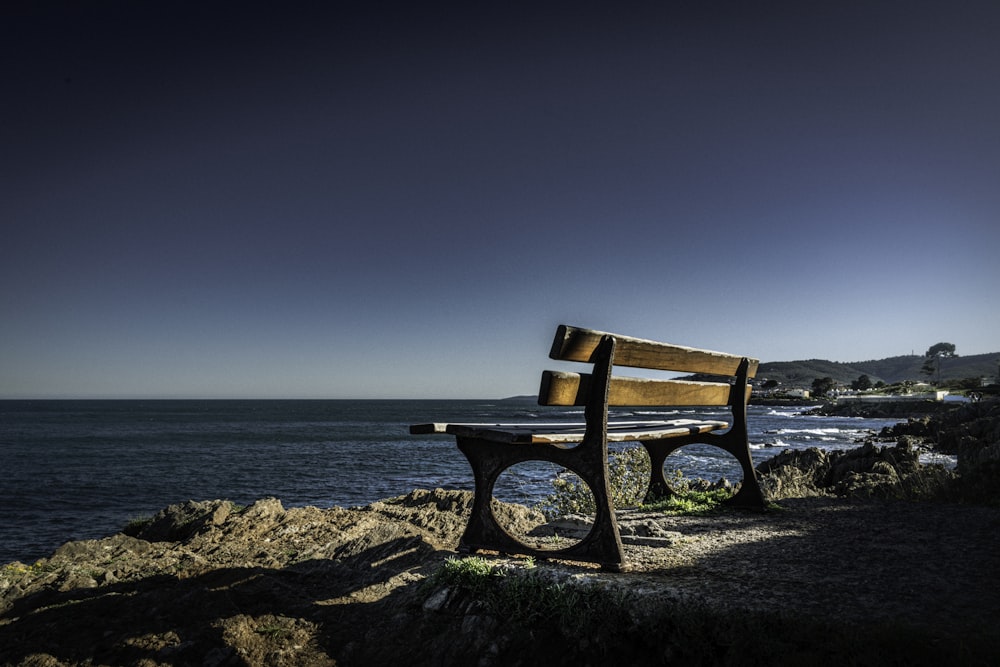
{"type": "Point", "coordinates": [863, 383]}
{"type": "Point", "coordinates": [465, 571]}
{"type": "Point", "coordinates": [136, 524]}
{"type": "Point", "coordinates": [629, 476]}
{"type": "Point", "coordinates": [528, 600]}
{"type": "Point", "coordinates": [690, 501]}
{"type": "Point", "coordinates": [822, 386]}
{"type": "Point", "coordinates": [570, 622]}
{"type": "Point", "coordinates": [18, 571]}
{"type": "Point", "coordinates": [932, 359]}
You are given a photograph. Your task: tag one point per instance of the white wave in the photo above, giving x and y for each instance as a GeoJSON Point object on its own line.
{"type": "Point", "coordinates": [786, 412]}
{"type": "Point", "coordinates": [815, 431]}
{"type": "Point", "coordinates": [780, 413]}
{"type": "Point", "coordinates": [770, 445]}
{"type": "Point", "coordinates": [763, 445]}
{"type": "Point", "coordinates": [949, 461]}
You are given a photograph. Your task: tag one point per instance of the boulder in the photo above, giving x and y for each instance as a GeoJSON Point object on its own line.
{"type": "Point", "coordinates": [868, 471]}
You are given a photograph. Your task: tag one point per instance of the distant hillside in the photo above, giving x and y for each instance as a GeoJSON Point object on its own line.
{"type": "Point", "coordinates": [891, 370]}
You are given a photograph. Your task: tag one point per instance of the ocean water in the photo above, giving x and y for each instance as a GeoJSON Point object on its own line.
{"type": "Point", "coordinates": [83, 469]}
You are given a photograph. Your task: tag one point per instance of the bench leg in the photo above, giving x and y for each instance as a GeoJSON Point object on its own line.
{"type": "Point", "coordinates": [489, 459]}
{"type": "Point", "coordinates": [749, 494]}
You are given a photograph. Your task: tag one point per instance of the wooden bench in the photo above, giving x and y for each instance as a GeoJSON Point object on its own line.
{"type": "Point", "coordinates": [583, 448]}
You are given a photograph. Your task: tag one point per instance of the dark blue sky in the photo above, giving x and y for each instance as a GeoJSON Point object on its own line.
{"type": "Point", "coordinates": [330, 200]}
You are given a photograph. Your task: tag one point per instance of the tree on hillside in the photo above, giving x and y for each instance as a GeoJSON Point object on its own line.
{"type": "Point", "coordinates": [863, 383]}
{"type": "Point", "coordinates": [933, 356]}
{"type": "Point", "coordinates": [822, 386]}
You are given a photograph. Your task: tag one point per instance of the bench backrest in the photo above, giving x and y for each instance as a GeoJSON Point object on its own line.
{"type": "Point", "coordinates": [582, 345]}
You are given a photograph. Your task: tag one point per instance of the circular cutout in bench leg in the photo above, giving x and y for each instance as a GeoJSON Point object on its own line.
{"type": "Point", "coordinates": [543, 505]}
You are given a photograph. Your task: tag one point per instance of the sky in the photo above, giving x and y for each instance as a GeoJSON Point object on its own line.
{"type": "Point", "coordinates": [378, 200]}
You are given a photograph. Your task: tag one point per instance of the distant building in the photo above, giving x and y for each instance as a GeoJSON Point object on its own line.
{"type": "Point", "coordinates": [886, 398]}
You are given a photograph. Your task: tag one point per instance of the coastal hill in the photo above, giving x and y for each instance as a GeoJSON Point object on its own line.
{"type": "Point", "coordinates": [889, 370]}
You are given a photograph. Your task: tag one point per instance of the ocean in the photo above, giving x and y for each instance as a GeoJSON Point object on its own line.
{"type": "Point", "coordinates": [83, 469]}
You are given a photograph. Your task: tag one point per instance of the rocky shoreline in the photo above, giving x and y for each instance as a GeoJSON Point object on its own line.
{"type": "Point", "coordinates": [868, 558]}
{"type": "Point", "coordinates": [885, 409]}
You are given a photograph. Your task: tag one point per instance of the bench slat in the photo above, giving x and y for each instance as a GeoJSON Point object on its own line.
{"type": "Point", "coordinates": [562, 388]}
{"type": "Point", "coordinates": [576, 344]}
{"type": "Point", "coordinates": [567, 433]}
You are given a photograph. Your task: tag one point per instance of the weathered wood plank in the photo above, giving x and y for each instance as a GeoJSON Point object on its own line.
{"type": "Point", "coordinates": [576, 344]}
{"type": "Point", "coordinates": [570, 433]}
{"type": "Point", "coordinates": [562, 388]}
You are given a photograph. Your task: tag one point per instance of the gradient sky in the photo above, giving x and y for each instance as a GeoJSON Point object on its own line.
{"type": "Point", "coordinates": [305, 200]}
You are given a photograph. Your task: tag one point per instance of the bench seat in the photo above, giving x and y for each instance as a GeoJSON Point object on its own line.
{"type": "Point", "coordinates": [570, 433]}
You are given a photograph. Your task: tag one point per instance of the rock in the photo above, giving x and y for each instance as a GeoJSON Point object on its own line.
{"type": "Point", "coordinates": [795, 474]}
{"type": "Point", "coordinates": [179, 522]}
{"type": "Point", "coordinates": [972, 432]}
{"type": "Point", "coordinates": [968, 422]}
{"type": "Point", "coordinates": [884, 409]}
{"type": "Point", "coordinates": [868, 471]}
